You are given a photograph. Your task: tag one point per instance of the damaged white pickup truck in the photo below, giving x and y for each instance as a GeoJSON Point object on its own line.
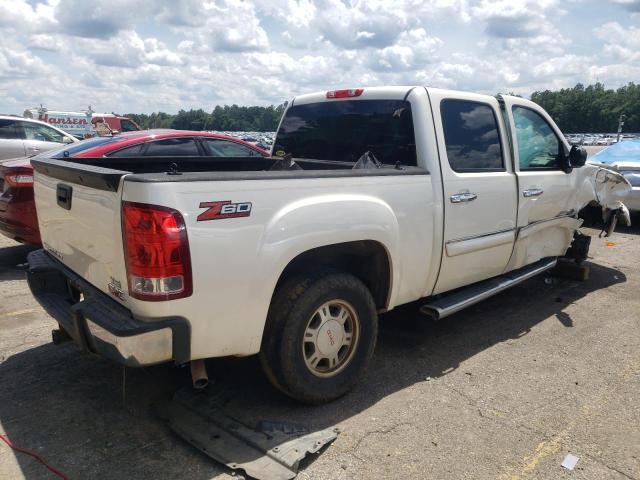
{"type": "Point", "coordinates": [374, 198]}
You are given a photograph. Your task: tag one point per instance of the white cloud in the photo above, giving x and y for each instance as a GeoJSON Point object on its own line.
{"type": "Point", "coordinates": [16, 63]}
{"type": "Point", "coordinates": [413, 47]}
{"type": "Point", "coordinates": [82, 18]}
{"type": "Point", "coordinates": [21, 14]}
{"type": "Point", "coordinates": [43, 41]}
{"type": "Point", "coordinates": [166, 55]}
{"type": "Point", "coordinates": [631, 5]}
{"type": "Point", "coordinates": [623, 44]}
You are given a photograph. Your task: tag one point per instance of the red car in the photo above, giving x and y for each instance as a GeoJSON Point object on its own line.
{"type": "Point", "coordinates": [18, 219]}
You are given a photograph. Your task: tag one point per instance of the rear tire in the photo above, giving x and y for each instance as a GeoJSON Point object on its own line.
{"type": "Point", "coordinates": [320, 335]}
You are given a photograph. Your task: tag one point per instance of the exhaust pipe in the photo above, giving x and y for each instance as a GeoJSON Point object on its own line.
{"type": "Point", "coordinates": [199, 374]}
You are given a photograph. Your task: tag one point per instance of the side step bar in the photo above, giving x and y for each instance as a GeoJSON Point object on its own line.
{"type": "Point", "coordinates": [469, 295]}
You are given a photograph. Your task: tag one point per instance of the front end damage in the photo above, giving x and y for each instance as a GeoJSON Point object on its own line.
{"type": "Point", "coordinates": [605, 189]}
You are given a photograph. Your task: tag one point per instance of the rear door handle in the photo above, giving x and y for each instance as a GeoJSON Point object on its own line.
{"type": "Point", "coordinates": [532, 192]}
{"type": "Point", "coordinates": [463, 197]}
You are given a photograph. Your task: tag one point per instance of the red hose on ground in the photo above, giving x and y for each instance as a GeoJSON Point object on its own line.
{"type": "Point", "coordinates": [34, 455]}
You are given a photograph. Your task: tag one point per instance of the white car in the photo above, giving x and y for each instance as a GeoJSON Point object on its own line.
{"type": "Point", "coordinates": [23, 137]}
{"type": "Point", "coordinates": [375, 197]}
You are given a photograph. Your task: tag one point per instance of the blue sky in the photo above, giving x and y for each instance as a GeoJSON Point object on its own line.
{"type": "Point", "coordinates": [144, 56]}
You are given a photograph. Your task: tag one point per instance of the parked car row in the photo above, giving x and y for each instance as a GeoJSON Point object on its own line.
{"type": "Point", "coordinates": [18, 218]}
{"type": "Point", "coordinates": [598, 139]}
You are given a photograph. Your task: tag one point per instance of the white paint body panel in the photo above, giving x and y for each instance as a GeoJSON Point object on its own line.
{"type": "Point", "coordinates": [236, 262]}
{"type": "Point", "coordinates": [478, 235]}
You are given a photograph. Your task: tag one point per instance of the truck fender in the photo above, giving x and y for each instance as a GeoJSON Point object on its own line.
{"type": "Point", "coordinates": [326, 220]}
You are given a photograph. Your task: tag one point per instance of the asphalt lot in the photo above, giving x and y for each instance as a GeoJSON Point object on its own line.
{"type": "Point", "coordinates": [503, 390]}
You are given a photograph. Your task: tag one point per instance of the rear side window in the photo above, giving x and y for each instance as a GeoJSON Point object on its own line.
{"type": "Point", "coordinates": [538, 146]}
{"type": "Point", "coordinates": [133, 151]}
{"type": "Point", "coordinates": [172, 147]}
{"type": "Point", "coordinates": [8, 130]}
{"type": "Point", "coordinates": [344, 130]}
{"type": "Point", "coordinates": [224, 148]}
{"type": "Point", "coordinates": [471, 136]}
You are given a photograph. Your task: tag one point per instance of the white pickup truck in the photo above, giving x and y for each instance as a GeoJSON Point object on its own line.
{"type": "Point", "coordinates": [374, 198]}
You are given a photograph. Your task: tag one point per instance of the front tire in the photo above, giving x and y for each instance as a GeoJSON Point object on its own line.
{"type": "Point", "coordinates": [320, 335]}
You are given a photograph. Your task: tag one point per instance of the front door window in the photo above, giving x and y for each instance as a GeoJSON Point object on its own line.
{"type": "Point", "coordinates": [538, 145]}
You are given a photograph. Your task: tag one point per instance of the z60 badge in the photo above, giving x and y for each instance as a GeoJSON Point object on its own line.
{"type": "Point", "coordinates": [224, 209]}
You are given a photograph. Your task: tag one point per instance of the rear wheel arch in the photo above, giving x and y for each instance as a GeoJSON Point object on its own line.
{"type": "Point", "coordinates": [367, 260]}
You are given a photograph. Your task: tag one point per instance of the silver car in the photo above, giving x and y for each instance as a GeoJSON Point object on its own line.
{"type": "Point", "coordinates": [624, 157]}
{"type": "Point", "coordinates": [23, 137]}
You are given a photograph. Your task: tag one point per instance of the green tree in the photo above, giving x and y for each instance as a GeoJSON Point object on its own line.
{"type": "Point", "coordinates": [226, 118]}
{"type": "Point", "coordinates": [593, 108]}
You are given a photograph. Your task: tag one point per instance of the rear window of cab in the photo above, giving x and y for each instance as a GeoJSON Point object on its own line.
{"type": "Point", "coordinates": [344, 130]}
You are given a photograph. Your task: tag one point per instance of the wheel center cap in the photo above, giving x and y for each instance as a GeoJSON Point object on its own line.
{"type": "Point", "coordinates": [330, 336]}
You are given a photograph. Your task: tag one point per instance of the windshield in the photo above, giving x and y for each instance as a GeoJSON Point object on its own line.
{"type": "Point", "coordinates": [76, 148]}
{"type": "Point", "coordinates": [344, 130]}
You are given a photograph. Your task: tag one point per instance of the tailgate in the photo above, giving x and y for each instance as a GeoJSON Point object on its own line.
{"type": "Point", "coordinates": [79, 218]}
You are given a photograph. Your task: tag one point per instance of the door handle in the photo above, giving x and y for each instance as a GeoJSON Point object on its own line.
{"type": "Point", "coordinates": [35, 149]}
{"type": "Point", "coordinates": [532, 192]}
{"type": "Point", "coordinates": [463, 197]}
{"type": "Point", "coordinates": [63, 195]}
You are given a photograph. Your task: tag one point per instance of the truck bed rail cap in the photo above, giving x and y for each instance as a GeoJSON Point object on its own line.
{"type": "Point", "coordinates": [82, 174]}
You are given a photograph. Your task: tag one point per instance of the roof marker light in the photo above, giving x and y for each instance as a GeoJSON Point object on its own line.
{"type": "Point", "coordinates": [350, 92]}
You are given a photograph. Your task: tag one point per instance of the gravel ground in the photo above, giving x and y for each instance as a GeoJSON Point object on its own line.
{"type": "Point", "coordinates": [503, 390]}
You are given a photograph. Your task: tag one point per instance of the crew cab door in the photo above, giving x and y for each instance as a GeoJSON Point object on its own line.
{"type": "Point", "coordinates": [480, 194]}
{"type": "Point", "coordinates": [547, 194]}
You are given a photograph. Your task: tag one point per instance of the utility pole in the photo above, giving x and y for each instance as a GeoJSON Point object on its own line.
{"type": "Point", "coordinates": [620, 124]}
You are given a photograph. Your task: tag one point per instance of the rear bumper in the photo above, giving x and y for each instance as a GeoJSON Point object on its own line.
{"type": "Point", "coordinates": [99, 324]}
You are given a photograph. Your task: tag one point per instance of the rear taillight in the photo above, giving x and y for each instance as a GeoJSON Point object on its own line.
{"type": "Point", "coordinates": [156, 252]}
{"type": "Point", "coordinates": [19, 180]}
{"type": "Point", "coordinates": [351, 92]}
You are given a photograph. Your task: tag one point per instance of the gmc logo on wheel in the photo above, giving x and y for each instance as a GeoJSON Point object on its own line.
{"type": "Point", "coordinates": [224, 209]}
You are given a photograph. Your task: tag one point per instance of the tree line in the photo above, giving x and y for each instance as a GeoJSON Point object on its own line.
{"type": "Point", "coordinates": [580, 109]}
{"type": "Point", "coordinates": [592, 109]}
{"type": "Point", "coordinates": [223, 118]}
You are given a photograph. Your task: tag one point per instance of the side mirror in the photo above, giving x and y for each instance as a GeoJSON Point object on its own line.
{"type": "Point", "coordinates": [66, 140]}
{"type": "Point", "coordinates": [577, 156]}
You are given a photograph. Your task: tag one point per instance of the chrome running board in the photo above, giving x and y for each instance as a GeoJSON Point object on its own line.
{"type": "Point", "coordinates": [464, 297]}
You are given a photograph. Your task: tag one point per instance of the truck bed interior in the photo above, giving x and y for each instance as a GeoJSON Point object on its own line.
{"type": "Point", "coordinates": [177, 165]}
{"type": "Point", "coordinates": [105, 173]}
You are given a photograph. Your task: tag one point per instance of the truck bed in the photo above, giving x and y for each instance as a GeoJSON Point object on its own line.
{"type": "Point", "coordinates": [105, 173]}
{"type": "Point", "coordinates": [297, 210]}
